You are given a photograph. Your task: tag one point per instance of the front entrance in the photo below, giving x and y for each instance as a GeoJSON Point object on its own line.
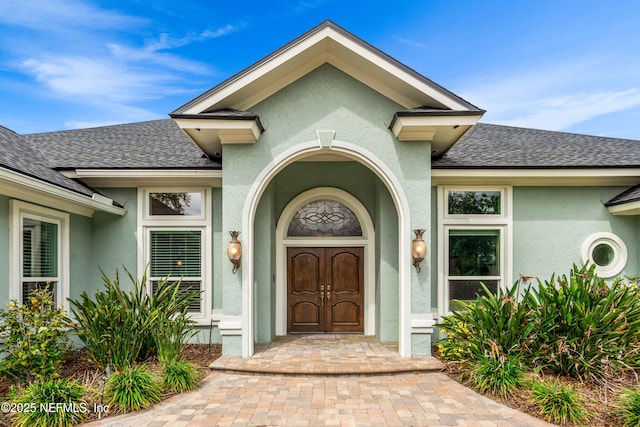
{"type": "Point", "coordinates": [325, 290]}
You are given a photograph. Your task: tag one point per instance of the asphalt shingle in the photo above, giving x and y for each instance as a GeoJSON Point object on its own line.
{"type": "Point", "coordinates": [504, 147]}
{"type": "Point", "coordinates": [18, 155]}
{"type": "Point", "coordinates": [157, 144]}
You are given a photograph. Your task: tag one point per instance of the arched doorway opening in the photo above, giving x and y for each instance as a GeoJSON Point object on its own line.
{"type": "Point", "coordinates": [401, 209]}
{"type": "Point", "coordinates": [325, 277]}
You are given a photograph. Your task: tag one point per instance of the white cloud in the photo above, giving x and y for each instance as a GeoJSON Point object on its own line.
{"type": "Point", "coordinates": [410, 42]}
{"type": "Point", "coordinates": [82, 78]}
{"type": "Point", "coordinates": [554, 97]}
{"type": "Point", "coordinates": [61, 15]}
{"type": "Point", "coordinates": [147, 56]}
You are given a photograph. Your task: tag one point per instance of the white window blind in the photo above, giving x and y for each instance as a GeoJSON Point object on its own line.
{"type": "Point", "coordinates": [177, 254]}
{"type": "Point", "coordinates": [39, 257]}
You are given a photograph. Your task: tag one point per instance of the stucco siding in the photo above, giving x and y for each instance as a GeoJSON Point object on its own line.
{"type": "Point", "coordinates": [84, 274]}
{"type": "Point", "coordinates": [551, 223]}
{"type": "Point", "coordinates": [115, 244]}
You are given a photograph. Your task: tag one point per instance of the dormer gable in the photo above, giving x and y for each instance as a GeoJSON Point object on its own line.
{"type": "Point", "coordinates": [222, 114]}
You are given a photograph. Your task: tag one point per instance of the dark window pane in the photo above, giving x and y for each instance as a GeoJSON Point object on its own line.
{"type": "Point", "coordinates": [602, 254]}
{"type": "Point", "coordinates": [467, 291]}
{"type": "Point", "coordinates": [185, 204]}
{"type": "Point", "coordinates": [474, 203]}
{"type": "Point", "coordinates": [324, 218]}
{"type": "Point", "coordinates": [474, 252]}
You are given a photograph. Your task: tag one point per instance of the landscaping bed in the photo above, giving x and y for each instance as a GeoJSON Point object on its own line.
{"type": "Point", "coordinates": [135, 353]}
{"type": "Point", "coordinates": [566, 350]}
{"type": "Point", "coordinates": [78, 367]}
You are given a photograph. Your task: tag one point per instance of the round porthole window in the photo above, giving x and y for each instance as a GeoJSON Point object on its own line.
{"type": "Point", "coordinates": [607, 251]}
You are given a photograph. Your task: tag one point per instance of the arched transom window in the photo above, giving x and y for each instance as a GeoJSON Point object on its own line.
{"type": "Point", "coordinates": [324, 218]}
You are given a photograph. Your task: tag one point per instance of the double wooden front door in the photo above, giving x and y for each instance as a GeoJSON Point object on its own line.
{"type": "Point", "coordinates": [325, 290]}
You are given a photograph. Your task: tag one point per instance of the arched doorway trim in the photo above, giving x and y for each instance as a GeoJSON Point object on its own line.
{"type": "Point", "coordinates": [367, 240]}
{"type": "Point", "coordinates": [398, 196]}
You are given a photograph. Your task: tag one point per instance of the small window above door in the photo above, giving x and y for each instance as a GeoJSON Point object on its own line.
{"type": "Point", "coordinates": [324, 218]}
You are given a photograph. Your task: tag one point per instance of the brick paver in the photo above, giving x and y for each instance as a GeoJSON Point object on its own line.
{"type": "Point", "coordinates": [321, 397]}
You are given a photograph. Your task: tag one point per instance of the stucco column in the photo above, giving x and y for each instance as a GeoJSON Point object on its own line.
{"type": "Point", "coordinates": [234, 192]}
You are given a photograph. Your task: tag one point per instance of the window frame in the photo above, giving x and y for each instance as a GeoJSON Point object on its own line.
{"type": "Point", "coordinates": [19, 212]}
{"type": "Point", "coordinates": [502, 222]}
{"type": "Point", "coordinates": [500, 253]}
{"type": "Point", "coordinates": [148, 218]}
{"type": "Point", "coordinates": [620, 255]}
{"type": "Point", "coordinates": [148, 223]}
{"type": "Point", "coordinates": [476, 217]}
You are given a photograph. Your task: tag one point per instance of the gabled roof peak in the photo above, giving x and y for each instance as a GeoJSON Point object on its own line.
{"type": "Point", "coordinates": [326, 43]}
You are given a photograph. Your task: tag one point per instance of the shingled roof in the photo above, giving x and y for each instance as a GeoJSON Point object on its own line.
{"type": "Point", "coordinates": [16, 154]}
{"type": "Point", "coordinates": [488, 146]}
{"type": "Point", "coordinates": [157, 144]}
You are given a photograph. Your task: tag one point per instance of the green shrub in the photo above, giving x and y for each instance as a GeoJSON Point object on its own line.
{"type": "Point", "coordinates": [33, 338]}
{"type": "Point", "coordinates": [586, 328]}
{"type": "Point", "coordinates": [172, 327]}
{"type": "Point", "coordinates": [498, 376]}
{"type": "Point", "coordinates": [559, 403]}
{"type": "Point", "coordinates": [120, 327]}
{"type": "Point", "coordinates": [630, 408]}
{"type": "Point", "coordinates": [490, 326]}
{"type": "Point", "coordinates": [180, 376]}
{"type": "Point", "coordinates": [132, 389]}
{"type": "Point", "coordinates": [61, 400]}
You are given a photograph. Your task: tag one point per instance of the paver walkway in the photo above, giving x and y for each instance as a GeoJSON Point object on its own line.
{"type": "Point", "coordinates": [307, 396]}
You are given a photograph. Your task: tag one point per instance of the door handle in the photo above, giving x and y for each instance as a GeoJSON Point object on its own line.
{"type": "Point", "coordinates": [321, 295]}
{"type": "Point", "coordinates": [328, 292]}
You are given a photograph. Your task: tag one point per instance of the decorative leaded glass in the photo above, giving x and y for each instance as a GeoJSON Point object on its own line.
{"type": "Point", "coordinates": [324, 218]}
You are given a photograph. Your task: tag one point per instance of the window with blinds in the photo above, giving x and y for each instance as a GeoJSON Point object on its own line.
{"type": "Point", "coordinates": [40, 264]}
{"type": "Point", "coordinates": [177, 254]}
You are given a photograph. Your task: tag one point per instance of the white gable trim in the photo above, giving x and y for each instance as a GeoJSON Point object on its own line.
{"type": "Point", "coordinates": [329, 45]}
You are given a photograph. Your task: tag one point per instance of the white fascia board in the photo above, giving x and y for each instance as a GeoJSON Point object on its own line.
{"type": "Point", "coordinates": [537, 177]}
{"type": "Point", "coordinates": [323, 53]}
{"type": "Point", "coordinates": [109, 178]}
{"type": "Point", "coordinates": [632, 208]}
{"type": "Point", "coordinates": [46, 194]}
{"type": "Point", "coordinates": [255, 74]}
{"type": "Point", "coordinates": [389, 67]}
{"type": "Point", "coordinates": [143, 173]}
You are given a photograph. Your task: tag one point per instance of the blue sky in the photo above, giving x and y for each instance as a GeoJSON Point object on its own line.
{"type": "Point", "coordinates": [568, 65]}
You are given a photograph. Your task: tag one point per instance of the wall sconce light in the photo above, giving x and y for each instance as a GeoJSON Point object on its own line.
{"type": "Point", "coordinates": [234, 250]}
{"type": "Point", "coordinates": [418, 249]}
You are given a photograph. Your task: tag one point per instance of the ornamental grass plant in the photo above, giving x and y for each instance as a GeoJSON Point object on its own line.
{"type": "Point", "coordinates": [559, 403]}
{"type": "Point", "coordinates": [630, 408]}
{"type": "Point", "coordinates": [50, 403]}
{"type": "Point", "coordinates": [180, 376]}
{"type": "Point", "coordinates": [132, 389]}
{"type": "Point", "coordinates": [500, 376]}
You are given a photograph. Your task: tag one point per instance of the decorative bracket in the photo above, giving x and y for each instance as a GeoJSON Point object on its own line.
{"type": "Point", "coordinates": [325, 138]}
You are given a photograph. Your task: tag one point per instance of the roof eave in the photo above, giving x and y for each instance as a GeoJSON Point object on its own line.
{"type": "Point", "coordinates": [44, 193]}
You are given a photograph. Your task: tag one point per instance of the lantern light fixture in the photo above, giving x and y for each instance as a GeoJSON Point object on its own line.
{"type": "Point", "coordinates": [234, 250]}
{"type": "Point", "coordinates": [418, 249]}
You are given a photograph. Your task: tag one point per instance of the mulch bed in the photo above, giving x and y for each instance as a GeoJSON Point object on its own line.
{"type": "Point", "coordinates": [600, 400]}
